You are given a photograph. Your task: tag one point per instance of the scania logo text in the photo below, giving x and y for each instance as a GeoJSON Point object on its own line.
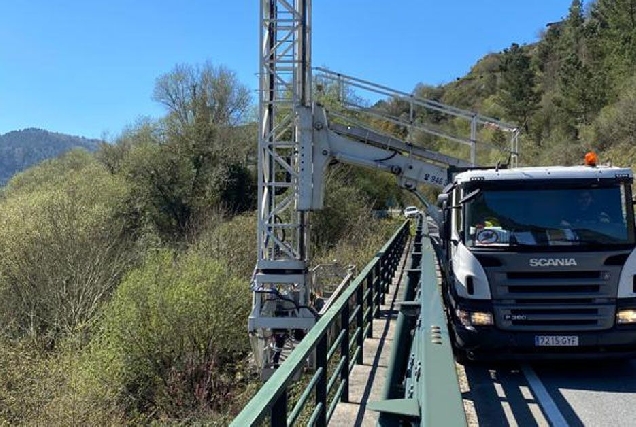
{"type": "Point", "coordinates": [552, 262]}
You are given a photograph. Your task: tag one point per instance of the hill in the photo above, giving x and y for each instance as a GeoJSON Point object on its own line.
{"type": "Point", "coordinates": [24, 148]}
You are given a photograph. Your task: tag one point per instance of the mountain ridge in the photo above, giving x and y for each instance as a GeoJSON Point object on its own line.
{"type": "Point", "coordinates": [21, 149]}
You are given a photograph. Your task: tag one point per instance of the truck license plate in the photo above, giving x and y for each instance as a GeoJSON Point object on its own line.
{"type": "Point", "coordinates": [556, 340]}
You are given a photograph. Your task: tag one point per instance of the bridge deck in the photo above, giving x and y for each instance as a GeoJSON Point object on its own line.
{"type": "Point", "coordinates": [366, 381]}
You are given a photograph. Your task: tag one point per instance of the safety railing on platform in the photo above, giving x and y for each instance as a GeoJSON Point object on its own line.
{"type": "Point", "coordinates": [421, 387]}
{"type": "Point", "coordinates": [365, 90]}
{"type": "Point", "coordinates": [334, 346]}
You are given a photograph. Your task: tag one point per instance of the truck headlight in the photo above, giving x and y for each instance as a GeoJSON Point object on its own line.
{"type": "Point", "coordinates": [474, 318]}
{"type": "Point", "coordinates": [481, 318]}
{"type": "Point", "coordinates": [626, 316]}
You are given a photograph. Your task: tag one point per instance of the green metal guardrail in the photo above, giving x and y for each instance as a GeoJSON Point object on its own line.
{"type": "Point", "coordinates": [422, 387]}
{"type": "Point", "coordinates": [336, 343]}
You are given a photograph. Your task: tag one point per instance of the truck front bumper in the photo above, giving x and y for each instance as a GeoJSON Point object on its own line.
{"type": "Point", "coordinates": [493, 343]}
{"type": "Point", "coordinates": [489, 343]}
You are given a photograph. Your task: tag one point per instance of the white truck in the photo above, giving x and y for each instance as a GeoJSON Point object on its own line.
{"type": "Point", "coordinates": [540, 262]}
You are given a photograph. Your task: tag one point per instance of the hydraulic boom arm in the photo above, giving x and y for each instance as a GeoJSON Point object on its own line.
{"type": "Point", "coordinates": [402, 161]}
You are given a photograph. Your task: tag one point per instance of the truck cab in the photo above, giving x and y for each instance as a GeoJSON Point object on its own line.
{"type": "Point", "coordinates": [539, 262]}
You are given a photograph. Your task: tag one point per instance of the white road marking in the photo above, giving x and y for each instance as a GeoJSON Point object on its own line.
{"type": "Point", "coordinates": [550, 408]}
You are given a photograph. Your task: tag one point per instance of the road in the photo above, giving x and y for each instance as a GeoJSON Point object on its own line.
{"type": "Point", "coordinates": [590, 393]}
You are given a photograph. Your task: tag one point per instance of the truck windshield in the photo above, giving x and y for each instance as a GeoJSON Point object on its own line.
{"type": "Point", "coordinates": [549, 217]}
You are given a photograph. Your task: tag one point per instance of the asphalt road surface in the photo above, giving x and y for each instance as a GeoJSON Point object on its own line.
{"type": "Point", "coordinates": [581, 393]}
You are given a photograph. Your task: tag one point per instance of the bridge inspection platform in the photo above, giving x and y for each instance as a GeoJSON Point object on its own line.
{"type": "Point", "coordinates": [380, 350]}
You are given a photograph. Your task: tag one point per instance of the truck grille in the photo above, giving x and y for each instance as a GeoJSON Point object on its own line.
{"type": "Point", "coordinates": [585, 289]}
{"type": "Point", "coordinates": [554, 300]}
{"type": "Point", "coordinates": [526, 317]}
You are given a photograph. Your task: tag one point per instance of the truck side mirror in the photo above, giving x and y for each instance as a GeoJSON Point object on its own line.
{"type": "Point", "coordinates": [444, 227]}
{"type": "Point", "coordinates": [442, 200]}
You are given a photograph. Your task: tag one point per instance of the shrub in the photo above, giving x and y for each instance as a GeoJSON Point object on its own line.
{"type": "Point", "coordinates": [62, 247]}
{"type": "Point", "coordinates": [173, 338]}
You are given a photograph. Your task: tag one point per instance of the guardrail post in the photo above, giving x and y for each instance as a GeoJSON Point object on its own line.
{"type": "Point", "coordinates": [279, 411]}
{"type": "Point", "coordinates": [360, 322]}
{"type": "Point", "coordinates": [383, 278]}
{"type": "Point", "coordinates": [377, 288]}
{"type": "Point", "coordinates": [321, 384]}
{"type": "Point", "coordinates": [344, 352]}
{"type": "Point", "coordinates": [394, 257]}
{"type": "Point", "coordinates": [370, 302]}
{"type": "Point", "coordinates": [390, 268]}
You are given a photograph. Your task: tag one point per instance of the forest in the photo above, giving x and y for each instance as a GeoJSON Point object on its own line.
{"type": "Point", "coordinates": [124, 271]}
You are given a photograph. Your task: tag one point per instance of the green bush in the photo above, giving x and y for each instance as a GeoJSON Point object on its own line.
{"type": "Point", "coordinates": [231, 240]}
{"type": "Point", "coordinates": [23, 385]}
{"type": "Point", "coordinates": [346, 207]}
{"type": "Point", "coordinates": [173, 339]}
{"type": "Point", "coordinates": [40, 387]}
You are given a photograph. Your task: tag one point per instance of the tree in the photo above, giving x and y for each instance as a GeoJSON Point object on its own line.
{"type": "Point", "coordinates": [175, 184]}
{"type": "Point", "coordinates": [518, 93]}
{"type": "Point", "coordinates": [62, 247]}
{"type": "Point", "coordinates": [144, 131]}
{"type": "Point", "coordinates": [210, 94]}
{"type": "Point", "coordinates": [194, 160]}
{"type": "Point", "coordinates": [398, 110]}
{"type": "Point", "coordinates": [434, 94]}
{"type": "Point", "coordinates": [616, 124]}
{"type": "Point", "coordinates": [581, 90]}
{"type": "Point", "coordinates": [573, 36]}
{"type": "Point", "coordinates": [615, 21]}
{"type": "Point", "coordinates": [573, 78]}
{"type": "Point", "coordinates": [547, 57]}
{"type": "Point", "coordinates": [577, 99]}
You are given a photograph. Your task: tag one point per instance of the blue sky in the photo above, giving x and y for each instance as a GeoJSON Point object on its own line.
{"type": "Point", "coordinates": [88, 67]}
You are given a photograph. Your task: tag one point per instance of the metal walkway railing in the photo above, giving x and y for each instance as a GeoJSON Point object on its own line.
{"type": "Point", "coordinates": [421, 386]}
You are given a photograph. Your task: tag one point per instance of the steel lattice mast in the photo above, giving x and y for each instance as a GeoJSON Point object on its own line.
{"type": "Point", "coordinates": [281, 270]}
